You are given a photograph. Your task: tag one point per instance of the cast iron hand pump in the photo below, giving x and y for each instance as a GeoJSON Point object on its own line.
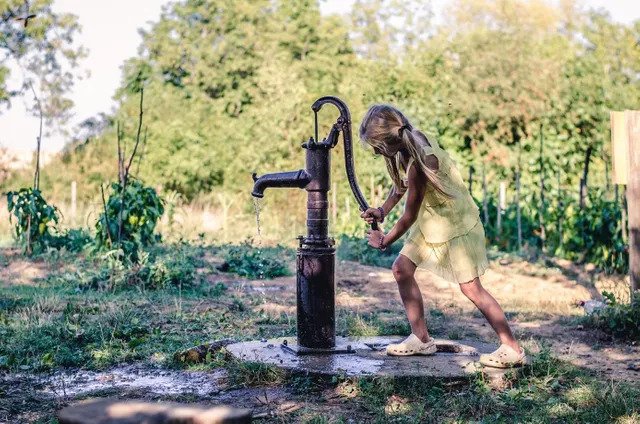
{"type": "Point", "coordinates": [316, 254]}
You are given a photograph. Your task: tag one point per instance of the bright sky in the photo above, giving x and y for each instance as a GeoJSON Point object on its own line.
{"type": "Point", "coordinates": [109, 32]}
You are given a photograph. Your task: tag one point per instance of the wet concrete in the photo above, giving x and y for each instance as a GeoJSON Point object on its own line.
{"type": "Point", "coordinates": [454, 359]}
{"type": "Point", "coordinates": [127, 378]}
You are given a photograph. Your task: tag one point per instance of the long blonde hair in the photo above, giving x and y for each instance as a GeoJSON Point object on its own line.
{"type": "Point", "coordinates": [380, 129]}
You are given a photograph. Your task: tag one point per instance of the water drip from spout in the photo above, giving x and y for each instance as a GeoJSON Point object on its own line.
{"type": "Point", "coordinates": [257, 205]}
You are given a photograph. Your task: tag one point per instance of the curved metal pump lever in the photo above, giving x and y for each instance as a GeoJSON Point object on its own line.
{"type": "Point", "coordinates": [344, 124]}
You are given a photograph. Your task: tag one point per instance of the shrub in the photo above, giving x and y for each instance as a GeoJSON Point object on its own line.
{"type": "Point", "coordinates": [129, 219]}
{"type": "Point", "coordinates": [257, 262]}
{"type": "Point", "coordinates": [73, 240]}
{"type": "Point", "coordinates": [618, 319]}
{"type": "Point", "coordinates": [35, 219]}
{"type": "Point", "coordinates": [173, 267]}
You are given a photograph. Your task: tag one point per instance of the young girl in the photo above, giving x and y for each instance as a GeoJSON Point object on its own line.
{"type": "Point", "coordinates": [445, 232]}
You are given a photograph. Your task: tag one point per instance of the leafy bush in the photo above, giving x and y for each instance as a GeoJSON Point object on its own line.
{"type": "Point", "coordinates": [130, 218]}
{"type": "Point", "coordinates": [594, 234]}
{"type": "Point", "coordinates": [257, 262]}
{"type": "Point", "coordinates": [352, 248]}
{"type": "Point", "coordinates": [35, 219]}
{"type": "Point", "coordinates": [172, 267]}
{"type": "Point", "coordinates": [73, 240]}
{"type": "Point", "coordinates": [589, 234]}
{"type": "Point", "coordinates": [618, 319]}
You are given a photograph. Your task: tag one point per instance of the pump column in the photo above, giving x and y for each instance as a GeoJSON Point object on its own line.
{"type": "Point", "coordinates": [316, 258]}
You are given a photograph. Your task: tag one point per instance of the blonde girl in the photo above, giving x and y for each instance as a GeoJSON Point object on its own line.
{"type": "Point", "coordinates": [446, 235]}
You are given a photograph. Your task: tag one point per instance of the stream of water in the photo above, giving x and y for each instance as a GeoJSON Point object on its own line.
{"type": "Point", "coordinates": [257, 205]}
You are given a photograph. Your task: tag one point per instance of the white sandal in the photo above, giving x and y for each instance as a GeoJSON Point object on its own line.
{"type": "Point", "coordinates": [504, 357]}
{"type": "Point", "coordinates": [412, 345]}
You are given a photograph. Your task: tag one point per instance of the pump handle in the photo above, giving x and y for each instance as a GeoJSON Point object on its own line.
{"type": "Point", "coordinates": [344, 124]}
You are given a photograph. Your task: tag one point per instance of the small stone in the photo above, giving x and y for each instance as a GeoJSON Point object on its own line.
{"type": "Point", "coordinates": [199, 354]}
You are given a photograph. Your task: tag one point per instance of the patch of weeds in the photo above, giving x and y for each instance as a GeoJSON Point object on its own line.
{"type": "Point", "coordinates": [617, 318]}
{"type": "Point", "coordinates": [74, 335]}
{"type": "Point", "coordinates": [378, 324]}
{"type": "Point", "coordinates": [174, 267]}
{"type": "Point", "coordinates": [216, 290]}
{"type": "Point", "coordinates": [306, 383]}
{"type": "Point", "coordinates": [257, 262]}
{"type": "Point", "coordinates": [237, 305]}
{"type": "Point", "coordinates": [253, 374]}
{"type": "Point", "coordinates": [73, 240]}
{"type": "Point", "coordinates": [352, 248]}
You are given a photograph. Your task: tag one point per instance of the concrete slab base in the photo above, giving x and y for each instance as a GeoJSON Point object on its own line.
{"type": "Point", "coordinates": [454, 359]}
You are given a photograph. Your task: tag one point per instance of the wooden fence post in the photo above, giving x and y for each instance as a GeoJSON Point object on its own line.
{"type": "Point", "coordinates": [633, 198]}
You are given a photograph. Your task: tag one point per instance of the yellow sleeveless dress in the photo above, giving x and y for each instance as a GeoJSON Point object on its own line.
{"type": "Point", "coordinates": [447, 238]}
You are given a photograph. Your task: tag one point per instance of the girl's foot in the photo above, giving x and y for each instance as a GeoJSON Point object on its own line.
{"type": "Point", "coordinates": [504, 357]}
{"type": "Point", "coordinates": [412, 345]}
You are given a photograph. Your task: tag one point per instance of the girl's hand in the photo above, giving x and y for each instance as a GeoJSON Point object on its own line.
{"type": "Point", "coordinates": [375, 238]}
{"type": "Point", "coordinates": [370, 215]}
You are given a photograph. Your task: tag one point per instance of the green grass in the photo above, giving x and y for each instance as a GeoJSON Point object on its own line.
{"type": "Point", "coordinates": [104, 314]}
{"type": "Point", "coordinates": [547, 391]}
{"type": "Point", "coordinates": [91, 313]}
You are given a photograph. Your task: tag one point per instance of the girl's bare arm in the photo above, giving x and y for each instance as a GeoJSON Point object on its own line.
{"type": "Point", "coordinates": [392, 200]}
{"type": "Point", "coordinates": [417, 186]}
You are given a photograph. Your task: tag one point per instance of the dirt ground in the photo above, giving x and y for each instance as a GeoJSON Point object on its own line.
{"type": "Point", "coordinates": [541, 303]}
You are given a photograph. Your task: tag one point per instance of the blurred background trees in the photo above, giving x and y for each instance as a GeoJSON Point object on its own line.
{"type": "Point", "coordinates": [517, 91]}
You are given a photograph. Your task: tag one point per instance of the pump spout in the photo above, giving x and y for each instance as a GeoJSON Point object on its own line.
{"type": "Point", "coordinates": [298, 179]}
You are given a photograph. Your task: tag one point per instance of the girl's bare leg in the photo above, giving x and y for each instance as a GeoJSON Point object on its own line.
{"type": "Point", "coordinates": [491, 311]}
{"type": "Point", "coordinates": [403, 271]}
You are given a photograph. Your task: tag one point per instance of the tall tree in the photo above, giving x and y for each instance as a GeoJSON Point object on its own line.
{"type": "Point", "coordinates": [38, 44]}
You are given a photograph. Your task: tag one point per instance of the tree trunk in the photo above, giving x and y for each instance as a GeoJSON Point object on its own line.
{"type": "Point", "coordinates": [471, 179]}
{"type": "Point", "coordinates": [585, 175]}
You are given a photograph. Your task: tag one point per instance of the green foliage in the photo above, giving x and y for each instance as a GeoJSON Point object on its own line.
{"type": "Point", "coordinates": [45, 50]}
{"type": "Point", "coordinates": [35, 219]}
{"type": "Point", "coordinates": [257, 262]}
{"type": "Point", "coordinates": [73, 240]}
{"type": "Point", "coordinates": [617, 318]}
{"type": "Point", "coordinates": [589, 234]}
{"type": "Point", "coordinates": [352, 248]}
{"type": "Point", "coordinates": [473, 82]}
{"type": "Point", "coordinates": [594, 234]}
{"type": "Point", "coordinates": [171, 267]}
{"type": "Point", "coordinates": [129, 219]}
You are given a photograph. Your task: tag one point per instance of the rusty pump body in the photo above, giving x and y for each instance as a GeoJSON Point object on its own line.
{"type": "Point", "coordinates": [315, 263]}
